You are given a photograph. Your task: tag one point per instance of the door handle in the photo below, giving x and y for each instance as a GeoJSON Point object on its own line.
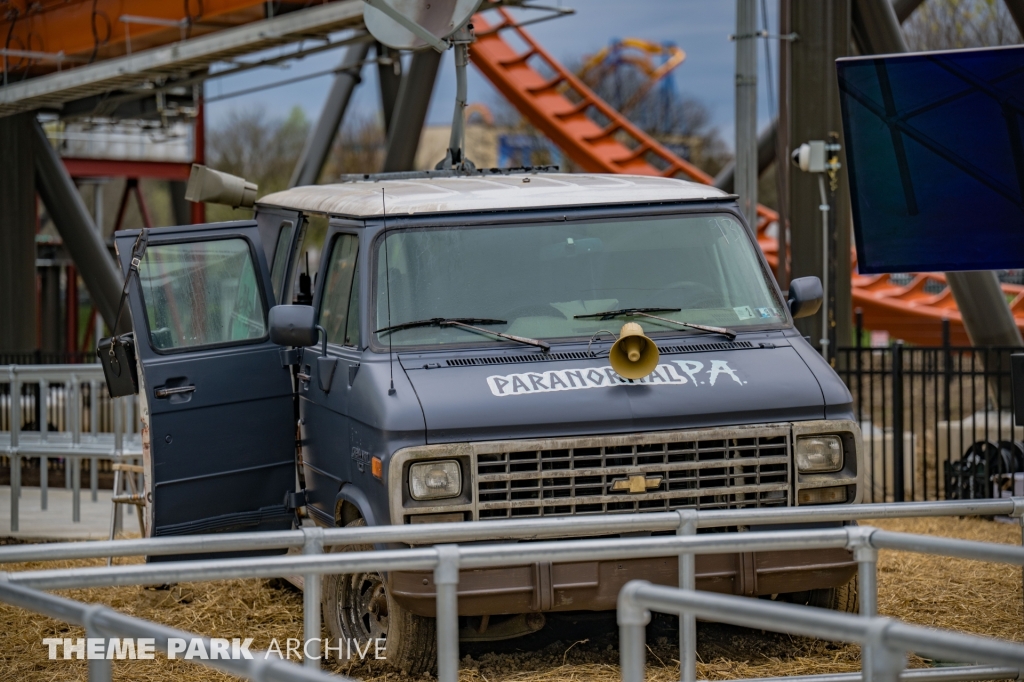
{"type": "Point", "coordinates": [168, 392]}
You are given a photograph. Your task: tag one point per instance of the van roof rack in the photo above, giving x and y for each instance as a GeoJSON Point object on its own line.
{"type": "Point", "coordinates": [474, 173]}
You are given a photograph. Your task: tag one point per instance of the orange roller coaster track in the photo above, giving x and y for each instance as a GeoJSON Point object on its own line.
{"type": "Point", "coordinates": [587, 129]}
{"type": "Point", "coordinates": [600, 139]}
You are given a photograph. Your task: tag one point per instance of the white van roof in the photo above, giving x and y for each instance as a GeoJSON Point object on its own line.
{"type": "Point", "coordinates": [495, 192]}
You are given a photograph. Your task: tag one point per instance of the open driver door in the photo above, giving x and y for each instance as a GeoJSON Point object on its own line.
{"type": "Point", "coordinates": [216, 398]}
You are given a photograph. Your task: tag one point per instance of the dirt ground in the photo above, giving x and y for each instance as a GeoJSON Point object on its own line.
{"type": "Point", "coordinates": [951, 593]}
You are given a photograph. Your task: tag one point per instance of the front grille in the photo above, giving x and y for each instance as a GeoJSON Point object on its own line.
{"type": "Point", "coordinates": [721, 473]}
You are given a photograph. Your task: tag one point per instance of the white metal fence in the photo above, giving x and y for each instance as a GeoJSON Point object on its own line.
{"type": "Point", "coordinates": [446, 560]}
{"type": "Point", "coordinates": [63, 412]}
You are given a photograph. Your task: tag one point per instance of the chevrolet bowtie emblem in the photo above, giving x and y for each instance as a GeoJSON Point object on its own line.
{"type": "Point", "coordinates": [638, 483]}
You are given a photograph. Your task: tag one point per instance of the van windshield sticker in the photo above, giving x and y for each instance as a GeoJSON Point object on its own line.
{"type": "Point", "coordinates": [679, 372]}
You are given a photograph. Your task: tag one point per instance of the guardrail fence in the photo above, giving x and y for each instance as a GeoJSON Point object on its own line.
{"type": "Point", "coordinates": [63, 413]}
{"type": "Point", "coordinates": [937, 421]}
{"type": "Point", "coordinates": [446, 560]}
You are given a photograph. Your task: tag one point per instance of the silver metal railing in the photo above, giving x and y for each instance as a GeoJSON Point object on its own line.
{"type": "Point", "coordinates": [446, 560]}
{"type": "Point", "coordinates": [69, 427]}
{"type": "Point", "coordinates": [885, 641]}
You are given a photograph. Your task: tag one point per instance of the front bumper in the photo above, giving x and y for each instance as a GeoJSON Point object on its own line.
{"type": "Point", "coordinates": [595, 585]}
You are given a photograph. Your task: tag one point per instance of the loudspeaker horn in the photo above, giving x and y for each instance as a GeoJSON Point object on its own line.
{"type": "Point", "coordinates": [633, 356]}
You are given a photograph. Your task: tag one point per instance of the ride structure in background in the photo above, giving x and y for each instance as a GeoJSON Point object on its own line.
{"type": "Point", "coordinates": [48, 38]}
{"type": "Point", "coordinates": [599, 138]}
{"type": "Point", "coordinates": [654, 60]}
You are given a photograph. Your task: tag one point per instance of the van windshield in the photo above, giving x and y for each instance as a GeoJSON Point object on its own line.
{"type": "Point", "coordinates": [537, 278]}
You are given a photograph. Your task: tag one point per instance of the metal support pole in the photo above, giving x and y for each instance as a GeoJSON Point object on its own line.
{"type": "Point", "coordinates": [311, 582]}
{"type": "Point", "coordinates": [74, 414]}
{"type": "Point", "coordinates": [100, 669]}
{"type": "Point", "coordinates": [866, 557]}
{"type": "Point", "coordinates": [632, 635]}
{"type": "Point", "coordinates": [44, 410]}
{"type": "Point", "coordinates": [15, 384]}
{"type": "Point", "coordinates": [94, 429]}
{"type": "Point", "coordinates": [117, 405]}
{"type": "Point", "coordinates": [767, 140]}
{"type": "Point", "coordinates": [44, 482]}
{"type": "Point", "coordinates": [115, 513]}
{"type": "Point", "coordinates": [897, 422]}
{"type": "Point", "coordinates": [1018, 513]}
{"type": "Point", "coordinates": [389, 75]}
{"type": "Point", "coordinates": [18, 300]}
{"type": "Point", "coordinates": [456, 157]}
{"type": "Point", "coordinates": [746, 108]}
{"type": "Point", "coordinates": [76, 488]}
{"type": "Point", "coordinates": [879, 661]}
{"type": "Point", "coordinates": [825, 240]}
{"type": "Point", "coordinates": [687, 581]}
{"type": "Point", "coordinates": [44, 426]}
{"type": "Point", "coordinates": [411, 111]}
{"type": "Point", "coordinates": [824, 36]}
{"type": "Point", "coordinates": [446, 582]}
{"type": "Point", "coordinates": [15, 488]}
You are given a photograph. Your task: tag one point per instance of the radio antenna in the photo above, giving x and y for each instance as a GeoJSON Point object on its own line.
{"type": "Point", "coordinates": [387, 284]}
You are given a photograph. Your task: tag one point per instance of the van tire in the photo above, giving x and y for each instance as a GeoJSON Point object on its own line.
{"type": "Point", "coordinates": [843, 598]}
{"type": "Point", "coordinates": [352, 608]}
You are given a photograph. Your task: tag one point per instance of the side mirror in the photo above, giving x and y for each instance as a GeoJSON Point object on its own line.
{"type": "Point", "coordinates": [293, 325]}
{"type": "Point", "coordinates": [804, 296]}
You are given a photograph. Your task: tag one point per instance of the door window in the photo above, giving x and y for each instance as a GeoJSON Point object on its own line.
{"type": "Point", "coordinates": [336, 305]}
{"type": "Point", "coordinates": [201, 294]}
{"type": "Point", "coordinates": [281, 257]}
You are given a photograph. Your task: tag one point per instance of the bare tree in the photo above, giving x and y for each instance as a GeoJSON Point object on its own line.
{"type": "Point", "coordinates": [358, 148]}
{"type": "Point", "coordinates": [955, 24]}
{"type": "Point", "coordinates": [258, 148]}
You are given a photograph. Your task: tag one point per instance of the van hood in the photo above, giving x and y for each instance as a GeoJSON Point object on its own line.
{"type": "Point", "coordinates": [466, 398]}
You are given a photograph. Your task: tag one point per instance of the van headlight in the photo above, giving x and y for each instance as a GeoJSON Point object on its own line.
{"type": "Point", "coordinates": [435, 480]}
{"type": "Point", "coordinates": [819, 454]}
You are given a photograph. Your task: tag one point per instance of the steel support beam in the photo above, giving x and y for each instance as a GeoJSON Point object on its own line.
{"type": "Point", "coordinates": [824, 35]}
{"type": "Point", "coordinates": [17, 236]}
{"type": "Point", "coordinates": [766, 143]}
{"type": "Point", "coordinates": [181, 208]}
{"type": "Point", "coordinates": [389, 77]}
{"type": "Point", "coordinates": [195, 54]}
{"type": "Point", "coordinates": [1016, 8]}
{"type": "Point", "coordinates": [76, 228]}
{"type": "Point", "coordinates": [115, 168]}
{"type": "Point", "coordinates": [986, 314]}
{"type": "Point", "coordinates": [411, 111]}
{"type": "Point", "coordinates": [321, 136]}
{"type": "Point", "coordinates": [904, 8]}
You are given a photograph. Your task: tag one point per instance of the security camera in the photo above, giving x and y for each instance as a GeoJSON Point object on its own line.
{"type": "Point", "coordinates": [812, 157]}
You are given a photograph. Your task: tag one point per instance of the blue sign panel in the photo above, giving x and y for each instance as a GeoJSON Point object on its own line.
{"type": "Point", "coordinates": [935, 148]}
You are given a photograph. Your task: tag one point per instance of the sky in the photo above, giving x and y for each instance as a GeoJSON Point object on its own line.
{"type": "Point", "coordinates": [700, 27]}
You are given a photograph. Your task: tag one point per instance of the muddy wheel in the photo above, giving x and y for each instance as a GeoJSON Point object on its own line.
{"type": "Point", "coordinates": [357, 608]}
{"type": "Point", "coordinates": [843, 598]}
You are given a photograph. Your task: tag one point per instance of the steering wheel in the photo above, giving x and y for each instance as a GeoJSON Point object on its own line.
{"type": "Point", "coordinates": [532, 310]}
{"type": "Point", "coordinates": [693, 295]}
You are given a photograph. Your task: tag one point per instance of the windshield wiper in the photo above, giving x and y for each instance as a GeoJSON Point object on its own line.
{"type": "Point", "coordinates": [646, 312]}
{"type": "Point", "coordinates": [463, 323]}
